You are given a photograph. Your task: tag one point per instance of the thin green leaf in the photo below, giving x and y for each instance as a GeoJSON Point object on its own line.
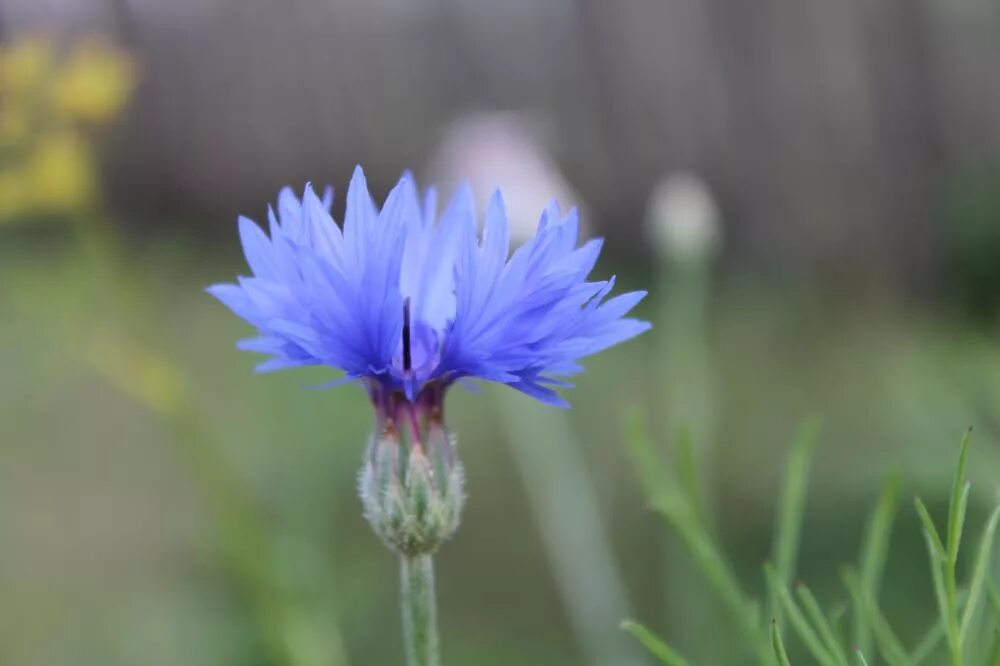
{"type": "Point", "coordinates": [687, 472]}
{"type": "Point", "coordinates": [717, 569]}
{"type": "Point", "coordinates": [861, 657]}
{"type": "Point", "coordinates": [957, 506]}
{"type": "Point", "coordinates": [888, 643]}
{"type": "Point", "coordinates": [791, 507]}
{"type": "Point", "coordinates": [994, 596]}
{"type": "Point", "coordinates": [806, 634]}
{"type": "Point", "coordinates": [653, 474]}
{"type": "Point", "coordinates": [874, 552]}
{"type": "Point", "coordinates": [661, 488]}
{"type": "Point", "coordinates": [820, 622]}
{"type": "Point", "coordinates": [937, 577]}
{"type": "Point", "coordinates": [654, 645]}
{"type": "Point", "coordinates": [937, 551]}
{"type": "Point", "coordinates": [955, 530]}
{"type": "Point", "coordinates": [959, 499]}
{"type": "Point", "coordinates": [926, 646]}
{"type": "Point", "coordinates": [979, 574]}
{"type": "Point", "coordinates": [779, 647]}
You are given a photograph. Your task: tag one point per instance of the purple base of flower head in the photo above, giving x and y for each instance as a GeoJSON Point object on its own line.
{"type": "Point", "coordinates": [410, 300]}
{"type": "Point", "coordinates": [395, 412]}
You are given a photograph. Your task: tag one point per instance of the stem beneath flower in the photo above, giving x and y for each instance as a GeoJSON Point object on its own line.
{"type": "Point", "coordinates": [419, 611]}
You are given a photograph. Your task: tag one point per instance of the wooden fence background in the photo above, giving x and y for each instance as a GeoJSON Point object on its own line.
{"type": "Point", "coordinates": [830, 130]}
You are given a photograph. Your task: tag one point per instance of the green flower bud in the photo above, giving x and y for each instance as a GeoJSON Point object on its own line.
{"type": "Point", "coordinates": [412, 497]}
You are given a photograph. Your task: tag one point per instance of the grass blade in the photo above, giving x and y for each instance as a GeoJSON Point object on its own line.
{"type": "Point", "coordinates": [791, 508]}
{"type": "Point", "coordinates": [779, 647]}
{"type": "Point", "coordinates": [937, 577]}
{"type": "Point", "coordinates": [717, 570]}
{"type": "Point", "coordinates": [687, 473]}
{"type": "Point", "coordinates": [806, 634]}
{"type": "Point", "coordinates": [821, 623]}
{"type": "Point", "coordinates": [957, 507]}
{"type": "Point", "coordinates": [979, 574]}
{"type": "Point", "coordinates": [888, 643]}
{"type": "Point", "coordinates": [927, 644]}
{"type": "Point", "coordinates": [874, 552]}
{"type": "Point", "coordinates": [661, 490]}
{"type": "Point", "coordinates": [934, 539]}
{"type": "Point", "coordinates": [861, 657]}
{"type": "Point", "coordinates": [654, 645]}
{"type": "Point", "coordinates": [993, 594]}
{"type": "Point", "coordinates": [959, 500]}
{"type": "Point", "coordinates": [656, 480]}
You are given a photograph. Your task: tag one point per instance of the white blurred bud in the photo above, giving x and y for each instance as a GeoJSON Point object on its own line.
{"type": "Point", "coordinates": [682, 219]}
{"type": "Point", "coordinates": [503, 150]}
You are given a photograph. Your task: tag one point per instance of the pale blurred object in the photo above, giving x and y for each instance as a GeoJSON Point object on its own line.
{"type": "Point", "coordinates": [503, 150]}
{"type": "Point", "coordinates": [682, 219]}
{"type": "Point", "coordinates": [682, 223]}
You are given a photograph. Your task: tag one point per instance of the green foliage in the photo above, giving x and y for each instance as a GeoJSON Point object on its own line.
{"type": "Point", "coordinates": [874, 551]}
{"type": "Point", "coordinates": [959, 604]}
{"type": "Point", "coordinates": [656, 647]}
{"type": "Point", "coordinates": [790, 511]}
{"type": "Point", "coordinates": [779, 647]}
{"type": "Point", "coordinates": [675, 503]}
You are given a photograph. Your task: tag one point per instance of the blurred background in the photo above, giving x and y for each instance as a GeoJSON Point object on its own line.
{"type": "Point", "coordinates": [809, 190]}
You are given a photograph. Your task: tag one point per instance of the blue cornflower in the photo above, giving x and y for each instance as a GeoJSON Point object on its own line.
{"type": "Point", "coordinates": [410, 301]}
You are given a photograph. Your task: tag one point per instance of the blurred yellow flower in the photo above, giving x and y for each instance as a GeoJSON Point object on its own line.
{"type": "Point", "coordinates": [15, 123]}
{"type": "Point", "coordinates": [25, 63]}
{"type": "Point", "coordinates": [51, 99]}
{"type": "Point", "coordinates": [94, 84]}
{"type": "Point", "coordinates": [61, 174]}
{"type": "Point", "coordinates": [13, 194]}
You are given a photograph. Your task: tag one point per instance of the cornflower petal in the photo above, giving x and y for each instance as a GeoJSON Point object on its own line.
{"type": "Point", "coordinates": [406, 299]}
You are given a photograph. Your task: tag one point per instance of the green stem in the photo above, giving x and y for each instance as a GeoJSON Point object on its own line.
{"type": "Point", "coordinates": [419, 611]}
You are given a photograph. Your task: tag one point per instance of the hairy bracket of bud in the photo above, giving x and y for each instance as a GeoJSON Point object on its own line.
{"type": "Point", "coordinates": [412, 491]}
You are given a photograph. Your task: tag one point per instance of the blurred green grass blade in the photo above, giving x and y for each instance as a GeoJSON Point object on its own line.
{"type": "Point", "coordinates": [656, 480]}
{"type": "Point", "coordinates": [661, 490]}
{"type": "Point", "coordinates": [791, 508]}
{"type": "Point", "coordinates": [565, 504]}
{"type": "Point", "coordinates": [654, 645]}
{"type": "Point", "coordinates": [861, 657]}
{"type": "Point", "coordinates": [993, 597]}
{"type": "Point", "coordinates": [926, 646]}
{"type": "Point", "coordinates": [874, 552]}
{"type": "Point", "coordinates": [889, 645]}
{"type": "Point", "coordinates": [993, 594]}
{"type": "Point", "coordinates": [937, 577]}
{"type": "Point", "coordinates": [955, 530]}
{"type": "Point", "coordinates": [820, 622]}
{"type": "Point", "coordinates": [957, 508]}
{"type": "Point", "coordinates": [798, 620]}
{"type": "Point", "coordinates": [715, 567]}
{"type": "Point", "coordinates": [979, 574]}
{"type": "Point", "coordinates": [936, 547]}
{"type": "Point", "coordinates": [959, 500]}
{"type": "Point", "coordinates": [779, 647]}
{"type": "Point", "coordinates": [687, 472]}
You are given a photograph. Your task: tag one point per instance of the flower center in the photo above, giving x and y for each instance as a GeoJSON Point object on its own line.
{"type": "Point", "coordinates": [407, 354]}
